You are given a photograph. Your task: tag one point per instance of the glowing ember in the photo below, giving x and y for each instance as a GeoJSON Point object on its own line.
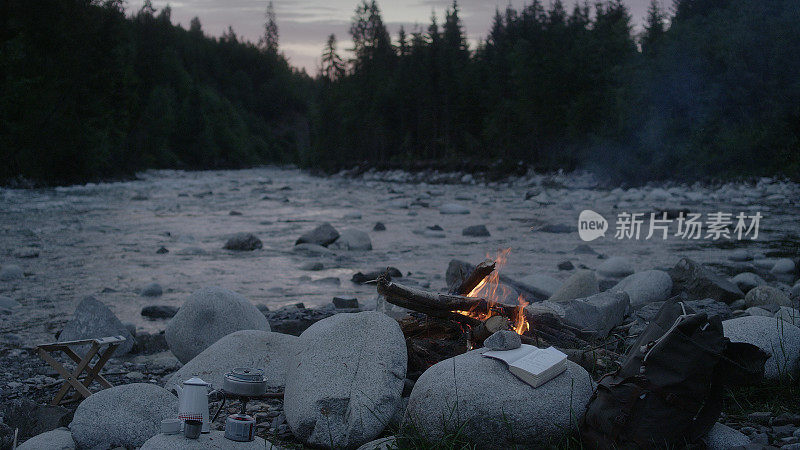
{"type": "Point", "coordinates": [491, 289]}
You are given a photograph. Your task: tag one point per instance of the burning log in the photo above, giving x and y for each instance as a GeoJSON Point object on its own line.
{"type": "Point", "coordinates": [475, 277]}
{"type": "Point", "coordinates": [462, 309]}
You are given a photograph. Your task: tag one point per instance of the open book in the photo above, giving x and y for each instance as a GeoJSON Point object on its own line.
{"type": "Point", "coordinates": [533, 365]}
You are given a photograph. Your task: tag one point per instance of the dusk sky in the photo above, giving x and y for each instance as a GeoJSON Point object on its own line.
{"type": "Point", "coordinates": [305, 24]}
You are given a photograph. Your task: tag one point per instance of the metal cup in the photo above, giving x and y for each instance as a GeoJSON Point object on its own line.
{"type": "Point", "coordinates": [192, 428]}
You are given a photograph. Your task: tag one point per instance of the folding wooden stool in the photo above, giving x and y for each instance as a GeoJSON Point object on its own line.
{"type": "Point", "coordinates": [73, 379]}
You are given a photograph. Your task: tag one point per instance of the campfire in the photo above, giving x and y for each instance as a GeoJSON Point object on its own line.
{"type": "Point", "coordinates": [492, 290]}
{"type": "Point", "coordinates": [480, 302]}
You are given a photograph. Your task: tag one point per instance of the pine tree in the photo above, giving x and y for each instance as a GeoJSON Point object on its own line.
{"type": "Point", "coordinates": [195, 27]}
{"type": "Point", "coordinates": [654, 27]}
{"type": "Point", "coordinates": [269, 41]}
{"type": "Point", "coordinates": [332, 66]}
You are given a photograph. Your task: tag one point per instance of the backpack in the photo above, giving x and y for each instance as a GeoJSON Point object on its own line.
{"type": "Point", "coordinates": [669, 388]}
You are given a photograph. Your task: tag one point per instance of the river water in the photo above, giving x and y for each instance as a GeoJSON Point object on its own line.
{"type": "Point", "coordinates": [102, 239]}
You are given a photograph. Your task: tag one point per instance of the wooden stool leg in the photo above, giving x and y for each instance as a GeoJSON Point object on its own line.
{"type": "Point", "coordinates": [71, 378]}
{"type": "Point", "coordinates": [94, 371]}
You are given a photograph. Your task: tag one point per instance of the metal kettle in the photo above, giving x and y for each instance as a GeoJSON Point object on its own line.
{"type": "Point", "coordinates": [193, 401]}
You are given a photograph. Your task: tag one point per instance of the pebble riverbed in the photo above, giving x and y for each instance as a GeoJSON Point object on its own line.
{"type": "Point", "coordinates": [102, 239]}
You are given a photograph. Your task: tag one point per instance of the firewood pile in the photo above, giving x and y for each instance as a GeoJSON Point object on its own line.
{"type": "Point", "coordinates": [444, 324]}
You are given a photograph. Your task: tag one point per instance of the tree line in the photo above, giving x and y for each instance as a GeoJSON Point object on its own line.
{"type": "Point", "coordinates": [88, 93]}
{"type": "Point", "coordinates": [707, 89]}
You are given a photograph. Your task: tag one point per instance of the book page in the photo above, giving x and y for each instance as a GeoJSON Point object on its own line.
{"type": "Point", "coordinates": [539, 361]}
{"type": "Point", "coordinates": [509, 356]}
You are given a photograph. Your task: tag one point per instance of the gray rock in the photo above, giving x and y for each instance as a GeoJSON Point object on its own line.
{"type": "Point", "coordinates": [723, 437]}
{"type": "Point", "coordinates": [293, 320]}
{"type": "Point", "coordinates": [92, 319]}
{"type": "Point", "coordinates": [243, 242]}
{"type": "Point", "coordinates": [162, 250]}
{"type": "Point", "coordinates": [312, 266]}
{"type": "Point", "coordinates": [387, 443]}
{"type": "Point", "coordinates": [566, 265]}
{"type": "Point", "coordinates": [213, 440]}
{"type": "Point", "coordinates": [312, 250]}
{"type": "Point", "coordinates": [747, 281]}
{"type": "Point", "coordinates": [794, 293]}
{"type": "Point", "coordinates": [264, 350]}
{"type": "Point", "coordinates": [645, 287]}
{"type": "Point", "coordinates": [503, 340]}
{"type": "Point", "coordinates": [122, 416]}
{"type": "Point", "coordinates": [345, 381]}
{"type": "Point", "coordinates": [159, 311]}
{"type": "Point", "coordinates": [379, 226]}
{"type": "Point", "coordinates": [322, 235]}
{"type": "Point", "coordinates": [345, 302]}
{"type": "Point", "coordinates": [711, 307]}
{"type": "Point", "coordinates": [756, 311]}
{"type": "Point", "coordinates": [581, 284]}
{"type": "Point", "coordinates": [11, 272]}
{"type": "Point", "coordinates": [615, 267]}
{"type": "Point", "coordinates": [453, 208]}
{"type": "Point", "coordinates": [476, 231]}
{"type": "Point", "coordinates": [543, 286]}
{"type": "Point", "coordinates": [488, 405]}
{"type": "Point", "coordinates": [8, 302]}
{"type": "Point", "coordinates": [596, 314]}
{"type": "Point", "coordinates": [779, 338]}
{"type": "Point", "coordinates": [152, 290]}
{"type": "Point", "coordinates": [783, 266]}
{"type": "Point", "coordinates": [789, 315]}
{"type": "Point", "coordinates": [700, 282]}
{"type": "Point", "coordinates": [766, 295]}
{"type": "Point", "coordinates": [58, 439]}
{"type": "Point", "coordinates": [352, 240]}
{"type": "Point", "coordinates": [31, 418]}
{"type": "Point", "coordinates": [208, 315]}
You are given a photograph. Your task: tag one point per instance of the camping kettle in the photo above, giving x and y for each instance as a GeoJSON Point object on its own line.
{"type": "Point", "coordinates": [193, 401]}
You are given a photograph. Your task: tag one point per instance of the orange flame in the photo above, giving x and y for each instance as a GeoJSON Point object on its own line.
{"type": "Point", "coordinates": [491, 289]}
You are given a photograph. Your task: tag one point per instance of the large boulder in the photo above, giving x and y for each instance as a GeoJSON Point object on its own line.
{"type": "Point", "coordinates": [353, 240]}
{"type": "Point", "coordinates": [92, 319]}
{"type": "Point", "coordinates": [323, 235]}
{"type": "Point", "coordinates": [213, 440]}
{"type": "Point", "coordinates": [766, 296]}
{"type": "Point", "coordinates": [596, 314]}
{"type": "Point", "coordinates": [345, 381]}
{"type": "Point", "coordinates": [747, 281]}
{"type": "Point", "coordinates": [122, 416]}
{"type": "Point", "coordinates": [723, 437]}
{"type": "Point", "coordinates": [544, 286]}
{"type": "Point", "coordinates": [480, 399]}
{"type": "Point", "coordinates": [700, 282]}
{"type": "Point", "coordinates": [581, 284]}
{"type": "Point", "coordinates": [264, 350]}
{"type": "Point", "coordinates": [615, 267]}
{"type": "Point", "coordinates": [777, 337]}
{"type": "Point", "coordinates": [208, 315]}
{"type": "Point", "coordinates": [58, 439]}
{"type": "Point", "coordinates": [645, 287]}
{"type": "Point", "coordinates": [789, 315]}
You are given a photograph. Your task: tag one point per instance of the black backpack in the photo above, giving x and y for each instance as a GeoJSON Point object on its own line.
{"type": "Point", "coordinates": [668, 391]}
